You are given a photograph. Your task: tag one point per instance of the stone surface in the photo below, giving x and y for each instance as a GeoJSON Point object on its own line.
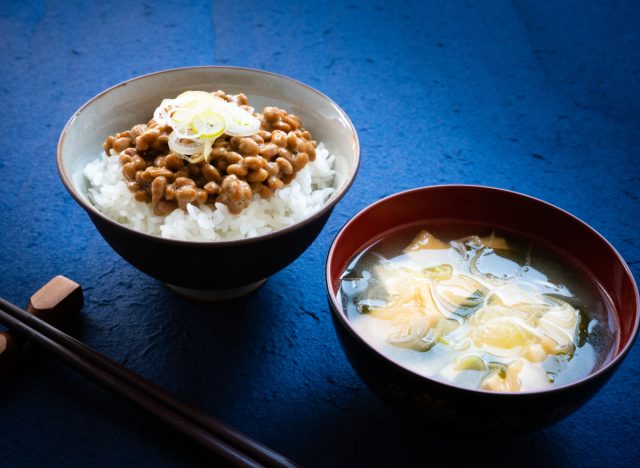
{"type": "Point", "coordinates": [537, 96]}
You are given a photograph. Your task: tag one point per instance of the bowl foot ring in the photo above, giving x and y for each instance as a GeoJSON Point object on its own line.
{"type": "Point", "coordinates": [215, 295]}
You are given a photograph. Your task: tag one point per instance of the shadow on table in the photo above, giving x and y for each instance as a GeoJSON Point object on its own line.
{"type": "Point", "coordinates": [380, 437]}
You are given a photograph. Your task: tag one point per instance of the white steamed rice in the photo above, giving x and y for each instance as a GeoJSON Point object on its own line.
{"type": "Point", "coordinates": [310, 189]}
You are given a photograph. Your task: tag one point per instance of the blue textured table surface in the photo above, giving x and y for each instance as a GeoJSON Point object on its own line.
{"type": "Point", "coordinates": [537, 96]}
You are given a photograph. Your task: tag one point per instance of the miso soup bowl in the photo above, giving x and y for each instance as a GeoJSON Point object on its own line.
{"type": "Point", "coordinates": [460, 408]}
{"type": "Point", "coordinates": [205, 270]}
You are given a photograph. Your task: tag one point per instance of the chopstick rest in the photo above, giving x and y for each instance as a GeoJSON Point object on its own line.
{"type": "Point", "coordinates": [55, 303]}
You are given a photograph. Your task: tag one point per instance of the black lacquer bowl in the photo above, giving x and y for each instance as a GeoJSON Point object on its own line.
{"type": "Point", "coordinates": [436, 402]}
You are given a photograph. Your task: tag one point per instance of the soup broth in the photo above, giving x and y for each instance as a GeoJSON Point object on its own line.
{"type": "Point", "coordinates": [478, 308]}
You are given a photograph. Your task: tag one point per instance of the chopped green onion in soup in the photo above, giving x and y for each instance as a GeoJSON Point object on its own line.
{"type": "Point", "coordinates": [473, 311]}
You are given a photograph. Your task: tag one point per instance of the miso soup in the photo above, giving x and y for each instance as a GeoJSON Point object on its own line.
{"type": "Point", "coordinates": [478, 308]}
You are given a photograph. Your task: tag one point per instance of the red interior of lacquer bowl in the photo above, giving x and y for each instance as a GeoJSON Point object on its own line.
{"type": "Point", "coordinates": [572, 239]}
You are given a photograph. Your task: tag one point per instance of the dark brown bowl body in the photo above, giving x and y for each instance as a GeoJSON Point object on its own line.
{"type": "Point", "coordinates": [210, 266]}
{"type": "Point", "coordinates": [434, 401]}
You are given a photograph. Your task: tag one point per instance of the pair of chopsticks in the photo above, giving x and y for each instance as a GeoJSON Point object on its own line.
{"type": "Point", "coordinates": [222, 440]}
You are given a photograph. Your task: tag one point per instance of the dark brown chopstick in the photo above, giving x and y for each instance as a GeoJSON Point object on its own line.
{"type": "Point", "coordinates": [214, 435]}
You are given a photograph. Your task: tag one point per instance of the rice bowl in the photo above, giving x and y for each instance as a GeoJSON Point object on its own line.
{"type": "Point", "coordinates": [246, 259]}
